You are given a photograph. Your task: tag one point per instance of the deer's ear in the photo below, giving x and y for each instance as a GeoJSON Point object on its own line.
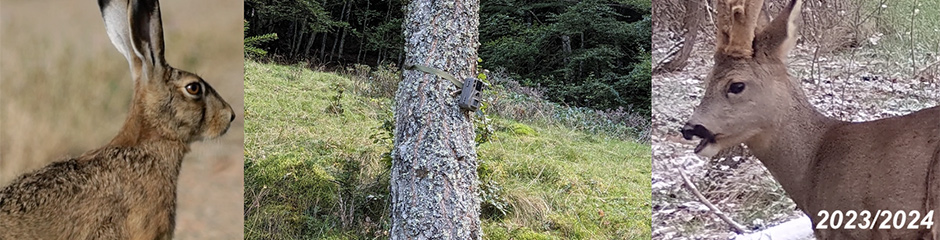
{"type": "Point", "coordinates": [763, 20]}
{"type": "Point", "coordinates": [780, 36]}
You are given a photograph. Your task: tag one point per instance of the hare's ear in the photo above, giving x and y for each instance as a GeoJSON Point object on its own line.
{"type": "Point", "coordinates": [115, 17]}
{"type": "Point", "coordinates": [146, 31]}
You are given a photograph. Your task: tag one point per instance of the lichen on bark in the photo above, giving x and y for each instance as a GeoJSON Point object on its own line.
{"type": "Point", "coordinates": [433, 178]}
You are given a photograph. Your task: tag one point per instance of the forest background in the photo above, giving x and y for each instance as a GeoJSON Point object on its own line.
{"type": "Point", "coordinates": [590, 53]}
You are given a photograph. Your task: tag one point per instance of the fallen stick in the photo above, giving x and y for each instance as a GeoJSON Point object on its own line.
{"type": "Point", "coordinates": [701, 198]}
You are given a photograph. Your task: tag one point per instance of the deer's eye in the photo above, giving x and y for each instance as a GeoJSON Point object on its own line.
{"type": "Point", "coordinates": [736, 88]}
{"type": "Point", "coordinates": [194, 88]}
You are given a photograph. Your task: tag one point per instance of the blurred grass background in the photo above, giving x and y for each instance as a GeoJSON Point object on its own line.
{"type": "Point", "coordinates": [64, 90]}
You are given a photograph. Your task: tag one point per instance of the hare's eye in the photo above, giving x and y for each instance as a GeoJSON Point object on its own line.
{"type": "Point", "coordinates": [194, 88]}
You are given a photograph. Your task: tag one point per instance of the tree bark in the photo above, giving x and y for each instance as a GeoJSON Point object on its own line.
{"type": "Point", "coordinates": [433, 177]}
{"type": "Point", "coordinates": [694, 15]}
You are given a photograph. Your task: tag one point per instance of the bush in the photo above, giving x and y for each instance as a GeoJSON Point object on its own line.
{"type": "Point", "coordinates": [379, 83]}
{"type": "Point", "coordinates": [509, 99]}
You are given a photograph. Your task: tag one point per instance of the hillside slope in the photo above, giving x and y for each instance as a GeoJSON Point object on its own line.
{"type": "Point", "coordinates": [315, 167]}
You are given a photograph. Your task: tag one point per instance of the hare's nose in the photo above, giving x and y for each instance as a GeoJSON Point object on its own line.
{"type": "Point", "coordinates": [233, 117]}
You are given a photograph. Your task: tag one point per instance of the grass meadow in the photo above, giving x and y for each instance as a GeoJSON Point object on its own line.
{"type": "Point", "coordinates": [64, 90]}
{"type": "Point", "coordinates": [315, 167]}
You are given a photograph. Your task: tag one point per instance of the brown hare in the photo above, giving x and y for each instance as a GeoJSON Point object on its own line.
{"type": "Point", "coordinates": [126, 189]}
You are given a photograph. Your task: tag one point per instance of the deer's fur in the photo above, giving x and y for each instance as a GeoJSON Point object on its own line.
{"type": "Point", "coordinates": [126, 189]}
{"type": "Point", "coordinates": [822, 163]}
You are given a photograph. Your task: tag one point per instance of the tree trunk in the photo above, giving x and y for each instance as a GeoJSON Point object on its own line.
{"type": "Point", "coordinates": [300, 30]}
{"type": "Point", "coordinates": [293, 38]}
{"type": "Point", "coordinates": [313, 37]}
{"type": "Point", "coordinates": [363, 39]}
{"type": "Point", "coordinates": [359, 53]}
{"type": "Point", "coordinates": [342, 38]}
{"type": "Point", "coordinates": [401, 60]}
{"type": "Point", "coordinates": [378, 61]}
{"type": "Point", "coordinates": [335, 39]}
{"type": "Point", "coordinates": [323, 47]}
{"type": "Point", "coordinates": [694, 12]}
{"type": "Point", "coordinates": [566, 47]}
{"type": "Point", "coordinates": [383, 49]}
{"type": "Point", "coordinates": [580, 63]}
{"type": "Point", "coordinates": [433, 177]}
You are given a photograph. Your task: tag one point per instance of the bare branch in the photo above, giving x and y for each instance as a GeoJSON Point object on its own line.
{"type": "Point", "coordinates": [738, 228]}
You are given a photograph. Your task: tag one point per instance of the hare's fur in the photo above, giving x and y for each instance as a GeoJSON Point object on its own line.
{"type": "Point", "coordinates": [126, 189]}
{"type": "Point", "coordinates": [110, 193]}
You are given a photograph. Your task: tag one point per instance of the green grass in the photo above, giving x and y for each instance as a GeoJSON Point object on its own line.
{"type": "Point", "coordinates": [565, 184]}
{"type": "Point", "coordinates": [313, 172]}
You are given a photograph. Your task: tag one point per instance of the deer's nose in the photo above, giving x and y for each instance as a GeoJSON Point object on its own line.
{"type": "Point", "coordinates": [696, 130]}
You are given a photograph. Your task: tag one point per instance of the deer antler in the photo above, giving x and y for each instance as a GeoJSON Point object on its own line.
{"type": "Point", "coordinates": [737, 22]}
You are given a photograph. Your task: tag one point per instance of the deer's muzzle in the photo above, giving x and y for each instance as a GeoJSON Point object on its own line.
{"type": "Point", "coordinates": [697, 130]}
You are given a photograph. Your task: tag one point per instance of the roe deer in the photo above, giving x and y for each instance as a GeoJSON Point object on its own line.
{"type": "Point", "coordinates": [823, 164]}
{"type": "Point", "coordinates": [126, 189]}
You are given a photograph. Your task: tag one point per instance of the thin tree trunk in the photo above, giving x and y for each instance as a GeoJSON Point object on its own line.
{"type": "Point", "coordinates": [313, 37]}
{"type": "Point", "coordinates": [566, 47]}
{"type": "Point", "coordinates": [433, 176]}
{"type": "Point", "coordinates": [362, 39]}
{"type": "Point", "coordinates": [293, 38]}
{"type": "Point", "coordinates": [323, 47]}
{"type": "Point", "coordinates": [323, 38]}
{"type": "Point", "coordinates": [359, 54]}
{"type": "Point", "coordinates": [301, 29]}
{"type": "Point", "coordinates": [694, 15]}
{"type": "Point", "coordinates": [336, 40]}
{"type": "Point", "coordinates": [378, 61]}
{"type": "Point", "coordinates": [382, 51]}
{"type": "Point", "coordinates": [401, 60]}
{"type": "Point", "coordinates": [580, 63]}
{"type": "Point", "coordinates": [342, 38]}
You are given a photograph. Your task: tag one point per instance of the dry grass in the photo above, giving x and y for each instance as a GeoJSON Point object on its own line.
{"type": "Point", "coordinates": [528, 209]}
{"type": "Point", "coordinates": [64, 90]}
